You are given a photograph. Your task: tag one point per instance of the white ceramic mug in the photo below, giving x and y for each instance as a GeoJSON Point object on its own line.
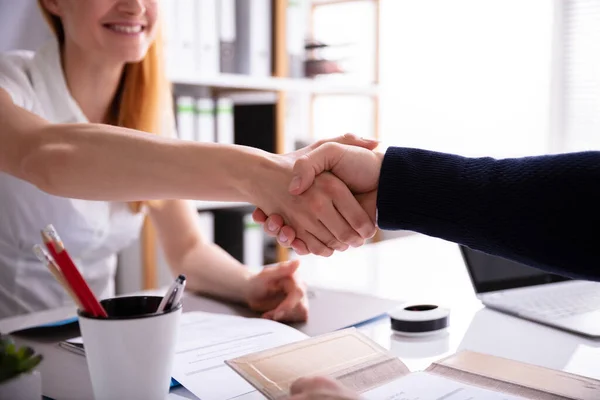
{"type": "Point", "coordinates": [130, 353]}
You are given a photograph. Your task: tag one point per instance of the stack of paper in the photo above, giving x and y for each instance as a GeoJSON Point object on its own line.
{"type": "Point", "coordinates": [207, 340]}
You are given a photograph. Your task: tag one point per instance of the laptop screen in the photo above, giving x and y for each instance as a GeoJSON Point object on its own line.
{"type": "Point", "coordinates": [490, 273]}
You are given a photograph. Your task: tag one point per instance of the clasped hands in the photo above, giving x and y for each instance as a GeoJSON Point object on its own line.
{"type": "Point", "coordinates": [330, 205]}
{"type": "Point", "coordinates": [332, 197]}
{"type": "Point", "coordinates": [317, 200]}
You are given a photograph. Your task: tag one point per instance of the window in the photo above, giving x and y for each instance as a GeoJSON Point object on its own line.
{"type": "Point", "coordinates": [579, 75]}
{"type": "Point", "coordinates": [467, 76]}
{"type": "Point", "coordinates": [348, 28]}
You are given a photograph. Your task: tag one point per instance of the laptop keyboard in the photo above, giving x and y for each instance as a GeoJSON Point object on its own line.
{"type": "Point", "coordinates": [559, 303]}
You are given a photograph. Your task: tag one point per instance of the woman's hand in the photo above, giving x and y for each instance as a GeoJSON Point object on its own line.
{"type": "Point", "coordinates": [274, 225]}
{"type": "Point", "coordinates": [356, 167]}
{"type": "Point", "coordinates": [325, 217]}
{"type": "Point", "coordinates": [278, 293]}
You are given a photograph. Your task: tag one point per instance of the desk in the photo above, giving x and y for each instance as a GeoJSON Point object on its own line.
{"type": "Point", "coordinates": [423, 269]}
{"type": "Point", "coordinates": [419, 268]}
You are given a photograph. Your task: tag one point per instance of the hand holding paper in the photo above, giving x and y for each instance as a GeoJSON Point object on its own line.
{"type": "Point", "coordinates": [345, 364]}
{"type": "Point", "coordinates": [320, 388]}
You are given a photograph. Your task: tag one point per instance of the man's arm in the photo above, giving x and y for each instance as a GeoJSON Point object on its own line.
{"type": "Point", "coordinates": [540, 211]}
{"type": "Point", "coordinates": [534, 210]}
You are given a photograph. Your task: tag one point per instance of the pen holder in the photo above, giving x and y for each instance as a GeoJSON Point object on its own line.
{"type": "Point", "coordinates": [130, 353]}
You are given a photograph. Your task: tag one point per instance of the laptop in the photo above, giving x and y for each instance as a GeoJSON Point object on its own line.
{"type": "Point", "coordinates": [535, 295]}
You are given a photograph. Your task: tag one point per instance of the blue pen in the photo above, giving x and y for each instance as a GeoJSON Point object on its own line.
{"type": "Point", "coordinates": [173, 296]}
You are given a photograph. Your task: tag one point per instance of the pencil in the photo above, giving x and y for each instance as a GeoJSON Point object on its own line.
{"type": "Point", "coordinates": [49, 242]}
{"type": "Point", "coordinates": [47, 260]}
{"type": "Point", "coordinates": [71, 273]}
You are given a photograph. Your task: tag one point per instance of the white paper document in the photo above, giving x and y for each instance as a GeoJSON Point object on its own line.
{"type": "Point", "coordinates": [207, 340]}
{"type": "Point", "coordinates": [426, 386]}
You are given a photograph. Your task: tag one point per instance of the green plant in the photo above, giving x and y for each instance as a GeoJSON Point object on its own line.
{"type": "Point", "coordinates": [15, 361]}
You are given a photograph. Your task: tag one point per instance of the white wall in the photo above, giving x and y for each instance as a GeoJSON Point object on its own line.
{"type": "Point", "coordinates": [579, 72]}
{"type": "Point", "coordinates": [467, 76]}
{"type": "Point", "coordinates": [21, 25]}
{"type": "Point", "coordinates": [129, 272]}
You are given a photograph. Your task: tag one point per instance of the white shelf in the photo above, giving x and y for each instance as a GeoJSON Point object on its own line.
{"type": "Point", "coordinates": [212, 205]}
{"type": "Point", "coordinates": [245, 82]}
{"type": "Point", "coordinates": [327, 2]}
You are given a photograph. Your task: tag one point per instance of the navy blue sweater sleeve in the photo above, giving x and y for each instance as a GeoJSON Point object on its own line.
{"type": "Point", "coordinates": [542, 211]}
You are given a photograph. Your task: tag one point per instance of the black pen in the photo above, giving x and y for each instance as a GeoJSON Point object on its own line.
{"type": "Point", "coordinates": [173, 296]}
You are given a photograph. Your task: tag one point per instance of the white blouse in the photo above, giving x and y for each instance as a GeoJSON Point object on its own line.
{"type": "Point", "coordinates": [93, 231]}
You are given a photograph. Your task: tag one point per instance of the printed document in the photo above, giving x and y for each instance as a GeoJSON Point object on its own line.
{"type": "Point", "coordinates": [426, 386]}
{"type": "Point", "coordinates": [207, 340]}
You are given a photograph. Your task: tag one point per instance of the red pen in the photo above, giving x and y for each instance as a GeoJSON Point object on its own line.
{"type": "Point", "coordinates": [71, 273]}
{"type": "Point", "coordinates": [54, 269]}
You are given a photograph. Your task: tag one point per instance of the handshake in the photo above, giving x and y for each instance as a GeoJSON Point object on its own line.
{"type": "Point", "coordinates": [330, 203]}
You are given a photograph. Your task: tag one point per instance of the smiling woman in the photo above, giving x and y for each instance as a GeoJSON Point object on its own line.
{"type": "Point", "coordinates": [101, 26]}
{"type": "Point", "coordinates": [87, 143]}
{"type": "Point", "coordinates": [114, 33]}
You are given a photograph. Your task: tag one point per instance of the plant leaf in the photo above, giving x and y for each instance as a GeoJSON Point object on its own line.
{"type": "Point", "coordinates": [11, 349]}
{"type": "Point", "coordinates": [22, 353]}
{"type": "Point", "coordinates": [15, 361]}
{"type": "Point", "coordinates": [30, 363]}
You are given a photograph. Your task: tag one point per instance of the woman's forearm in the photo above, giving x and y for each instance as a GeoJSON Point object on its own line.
{"type": "Point", "coordinates": [63, 159]}
{"type": "Point", "coordinates": [102, 162]}
{"type": "Point", "coordinates": [210, 270]}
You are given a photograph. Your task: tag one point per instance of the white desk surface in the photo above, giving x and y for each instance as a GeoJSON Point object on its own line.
{"type": "Point", "coordinates": [422, 269]}
{"type": "Point", "coordinates": [427, 270]}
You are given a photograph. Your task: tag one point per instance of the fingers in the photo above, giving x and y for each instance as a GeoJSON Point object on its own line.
{"type": "Point", "coordinates": [340, 221]}
{"type": "Point", "coordinates": [321, 388]}
{"type": "Point", "coordinates": [326, 233]}
{"type": "Point", "coordinates": [297, 314]}
{"type": "Point", "coordinates": [259, 216]}
{"type": "Point", "coordinates": [315, 246]}
{"type": "Point", "coordinates": [327, 240]}
{"type": "Point", "coordinates": [312, 164]}
{"type": "Point", "coordinates": [339, 227]}
{"type": "Point", "coordinates": [286, 236]}
{"type": "Point", "coordinates": [343, 216]}
{"type": "Point", "coordinates": [273, 224]}
{"type": "Point", "coordinates": [282, 270]}
{"type": "Point", "coordinates": [368, 201]}
{"type": "Point", "coordinates": [274, 227]}
{"type": "Point", "coordinates": [349, 139]}
{"type": "Point", "coordinates": [357, 217]}
{"type": "Point", "coordinates": [293, 308]}
{"type": "Point", "coordinates": [300, 247]}
{"type": "Point", "coordinates": [306, 384]}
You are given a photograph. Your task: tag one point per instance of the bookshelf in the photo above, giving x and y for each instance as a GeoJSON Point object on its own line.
{"type": "Point", "coordinates": [236, 82]}
{"type": "Point", "coordinates": [282, 85]}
